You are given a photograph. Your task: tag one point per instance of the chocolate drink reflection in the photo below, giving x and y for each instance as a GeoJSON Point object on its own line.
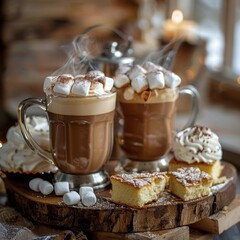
{"type": "Point", "coordinates": [148, 129]}
{"type": "Point", "coordinates": [81, 144]}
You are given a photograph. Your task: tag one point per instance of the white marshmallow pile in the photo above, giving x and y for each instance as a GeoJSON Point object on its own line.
{"type": "Point", "coordinates": [92, 83]}
{"type": "Point", "coordinates": [139, 79]}
{"type": "Point", "coordinates": [71, 198]}
{"type": "Point", "coordinates": [86, 193]}
{"type": "Point", "coordinates": [61, 188]}
{"type": "Point", "coordinates": [40, 185]}
{"type": "Point", "coordinates": [88, 196]}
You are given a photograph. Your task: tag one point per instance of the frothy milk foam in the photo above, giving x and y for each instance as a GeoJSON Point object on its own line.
{"type": "Point", "coordinates": [82, 106]}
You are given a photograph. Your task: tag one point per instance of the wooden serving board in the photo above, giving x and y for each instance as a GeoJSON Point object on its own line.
{"type": "Point", "coordinates": [105, 216]}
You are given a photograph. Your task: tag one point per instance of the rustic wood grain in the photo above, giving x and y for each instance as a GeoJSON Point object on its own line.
{"type": "Point", "coordinates": [221, 221]}
{"type": "Point", "coordinates": [180, 233]}
{"type": "Point", "coordinates": [168, 212]}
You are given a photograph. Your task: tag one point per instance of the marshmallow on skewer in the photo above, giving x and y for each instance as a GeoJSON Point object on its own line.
{"type": "Point", "coordinates": [61, 188]}
{"type": "Point", "coordinates": [34, 184]}
{"type": "Point", "coordinates": [45, 187]}
{"type": "Point", "coordinates": [71, 198]}
{"type": "Point", "coordinates": [155, 80]}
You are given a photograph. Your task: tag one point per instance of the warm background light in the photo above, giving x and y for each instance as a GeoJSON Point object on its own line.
{"type": "Point", "coordinates": [177, 16]}
{"type": "Point", "coordinates": [238, 80]}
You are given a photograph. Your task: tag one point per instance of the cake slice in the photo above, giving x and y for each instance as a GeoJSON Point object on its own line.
{"type": "Point", "coordinates": [137, 189]}
{"type": "Point", "coordinates": [197, 146]}
{"type": "Point", "coordinates": [190, 183]}
{"type": "Point", "coordinates": [212, 168]}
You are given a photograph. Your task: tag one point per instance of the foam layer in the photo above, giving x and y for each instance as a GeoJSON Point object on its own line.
{"type": "Point", "coordinates": [82, 106]}
{"type": "Point", "coordinates": [153, 96]}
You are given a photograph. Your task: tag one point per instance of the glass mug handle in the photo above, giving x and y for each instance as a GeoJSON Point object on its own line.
{"type": "Point", "coordinates": [22, 109]}
{"type": "Point", "coordinates": [193, 92]}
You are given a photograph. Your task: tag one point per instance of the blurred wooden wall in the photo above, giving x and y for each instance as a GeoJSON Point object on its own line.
{"type": "Point", "coordinates": [34, 31]}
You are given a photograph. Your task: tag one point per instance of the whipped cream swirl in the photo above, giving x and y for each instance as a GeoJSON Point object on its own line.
{"type": "Point", "coordinates": [15, 154]}
{"type": "Point", "coordinates": [197, 144]}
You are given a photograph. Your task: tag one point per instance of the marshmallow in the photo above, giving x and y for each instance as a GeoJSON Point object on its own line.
{"type": "Point", "coordinates": [108, 83]}
{"type": "Point", "coordinates": [136, 71]}
{"type": "Point", "coordinates": [172, 80]}
{"type": "Point", "coordinates": [94, 75]}
{"type": "Point", "coordinates": [34, 184]}
{"type": "Point", "coordinates": [89, 199]}
{"type": "Point", "coordinates": [84, 189]}
{"type": "Point", "coordinates": [96, 88]}
{"type": "Point", "coordinates": [81, 87]}
{"type": "Point", "coordinates": [63, 84]}
{"type": "Point", "coordinates": [139, 83]}
{"type": "Point", "coordinates": [61, 188]}
{"type": "Point", "coordinates": [71, 198]}
{"type": "Point", "coordinates": [48, 83]}
{"type": "Point", "coordinates": [45, 187]}
{"type": "Point", "coordinates": [155, 80]}
{"type": "Point", "coordinates": [128, 93]}
{"type": "Point", "coordinates": [149, 66]}
{"type": "Point", "coordinates": [121, 80]}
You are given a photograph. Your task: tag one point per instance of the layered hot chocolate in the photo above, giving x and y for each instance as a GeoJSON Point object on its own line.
{"type": "Point", "coordinates": [147, 104]}
{"type": "Point", "coordinates": [81, 113]}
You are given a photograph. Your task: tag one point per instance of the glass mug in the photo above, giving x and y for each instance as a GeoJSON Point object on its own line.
{"type": "Point", "coordinates": [147, 129]}
{"type": "Point", "coordinates": [80, 129]}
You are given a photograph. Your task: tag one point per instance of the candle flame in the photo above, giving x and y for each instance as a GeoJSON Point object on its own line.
{"type": "Point", "coordinates": [238, 80]}
{"type": "Point", "coordinates": [177, 16]}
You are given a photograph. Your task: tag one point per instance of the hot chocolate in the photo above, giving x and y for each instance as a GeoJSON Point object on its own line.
{"type": "Point", "coordinates": [80, 110]}
{"type": "Point", "coordinates": [156, 120]}
{"type": "Point", "coordinates": [147, 131]}
{"type": "Point", "coordinates": [147, 98]}
{"type": "Point", "coordinates": [82, 139]}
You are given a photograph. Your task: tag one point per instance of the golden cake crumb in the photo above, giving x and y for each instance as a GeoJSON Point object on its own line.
{"type": "Point", "coordinates": [137, 189]}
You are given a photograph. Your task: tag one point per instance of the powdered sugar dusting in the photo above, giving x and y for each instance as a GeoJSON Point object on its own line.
{"type": "Point", "coordinates": [138, 180]}
{"type": "Point", "coordinates": [190, 176]}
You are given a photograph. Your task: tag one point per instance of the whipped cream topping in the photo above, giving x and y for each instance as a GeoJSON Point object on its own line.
{"type": "Point", "coordinates": [197, 144]}
{"type": "Point", "coordinates": [146, 78]}
{"type": "Point", "coordinates": [94, 83]}
{"type": "Point", "coordinates": [15, 154]}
